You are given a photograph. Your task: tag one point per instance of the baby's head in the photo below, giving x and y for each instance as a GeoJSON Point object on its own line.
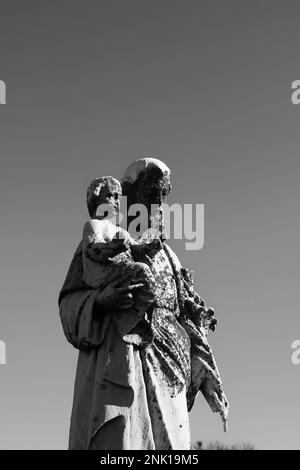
{"type": "Point", "coordinates": [105, 190]}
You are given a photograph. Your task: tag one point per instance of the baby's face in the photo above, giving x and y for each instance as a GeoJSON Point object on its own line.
{"type": "Point", "coordinates": [110, 196]}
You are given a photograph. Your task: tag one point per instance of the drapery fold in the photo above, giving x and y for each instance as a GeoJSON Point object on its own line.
{"type": "Point", "coordinates": [121, 398]}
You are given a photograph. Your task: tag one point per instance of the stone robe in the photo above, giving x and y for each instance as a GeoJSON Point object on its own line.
{"type": "Point", "coordinates": [135, 385]}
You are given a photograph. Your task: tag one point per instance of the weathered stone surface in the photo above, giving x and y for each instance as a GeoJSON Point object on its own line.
{"type": "Point", "coordinates": [140, 367]}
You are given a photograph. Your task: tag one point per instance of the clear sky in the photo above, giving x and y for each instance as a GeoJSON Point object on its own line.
{"type": "Point", "coordinates": [204, 86]}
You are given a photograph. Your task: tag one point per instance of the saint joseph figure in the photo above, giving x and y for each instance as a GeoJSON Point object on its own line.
{"type": "Point", "coordinates": [134, 387]}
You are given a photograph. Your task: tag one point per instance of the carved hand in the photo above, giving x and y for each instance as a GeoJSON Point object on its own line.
{"type": "Point", "coordinates": [117, 298]}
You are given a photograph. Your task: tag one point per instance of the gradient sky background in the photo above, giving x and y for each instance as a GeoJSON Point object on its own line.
{"type": "Point", "coordinates": [205, 86]}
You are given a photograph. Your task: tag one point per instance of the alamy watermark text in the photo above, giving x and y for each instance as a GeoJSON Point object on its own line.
{"type": "Point", "coordinates": [2, 92]}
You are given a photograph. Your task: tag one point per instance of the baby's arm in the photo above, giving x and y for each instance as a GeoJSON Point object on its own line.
{"type": "Point", "coordinates": [98, 244]}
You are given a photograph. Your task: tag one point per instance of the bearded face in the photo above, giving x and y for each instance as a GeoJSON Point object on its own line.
{"type": "Point", "coordinates": [151, 189]}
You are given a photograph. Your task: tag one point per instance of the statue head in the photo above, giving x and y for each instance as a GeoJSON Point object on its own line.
{"type": "Point", "coordinates": [105, 190]}
{"type": "Point", "coordinates": [147, 181]}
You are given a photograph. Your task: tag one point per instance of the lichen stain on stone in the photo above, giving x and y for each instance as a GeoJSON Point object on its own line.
{"type": "Point", "coordinates": [169, 353]}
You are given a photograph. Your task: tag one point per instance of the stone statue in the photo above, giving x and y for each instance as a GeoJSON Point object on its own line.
{"type": "Point", "coordinates": [112, 257]}
{"type": "Point", "coordinates": [138, 373]}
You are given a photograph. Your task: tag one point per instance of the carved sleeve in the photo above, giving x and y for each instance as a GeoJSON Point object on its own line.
{"type": "Point", "coordinates": [83, 324]}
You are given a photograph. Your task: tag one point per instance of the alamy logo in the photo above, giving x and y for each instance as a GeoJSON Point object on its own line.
{"type": "Point", "coordinates": [296, 354]}
{"type": "Point", "coordinates": [295, 96]}
{"type": "Point", "coordinates": [179, 222]}
{"type": "Point", "coordinates": [2, 353]}
{"type": "Point", "coordinates": [2, 92]}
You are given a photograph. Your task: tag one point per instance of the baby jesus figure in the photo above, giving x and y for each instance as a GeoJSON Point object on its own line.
{"type": "Point", "coordinates": [111, 256]}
